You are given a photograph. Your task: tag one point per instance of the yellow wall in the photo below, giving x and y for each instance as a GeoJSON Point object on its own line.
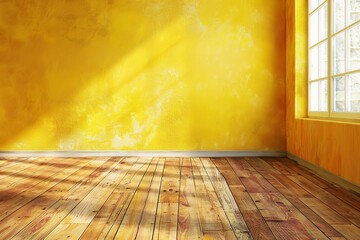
{"type": "Point", "coordinates": [331, 145]}
{"type": "Point", "coordinates": [144, 74]}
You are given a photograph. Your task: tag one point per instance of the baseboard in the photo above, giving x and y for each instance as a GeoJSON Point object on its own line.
{"type": "Point", "coordinates": [142, 153]}
{"type": "Point", "coordinates": [329, 176]}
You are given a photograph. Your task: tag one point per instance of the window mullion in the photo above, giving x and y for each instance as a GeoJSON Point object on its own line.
{"type": "Point", "coordinates": [319, 63]}
{"type": "Point", "coordinates": [347, 64]}
{"type": "Point", "coordinates": [329, 56]}
{"type": "Point", "coordinates": [318, 60]}
{"type": "Point", "coordinates": [347, 55]}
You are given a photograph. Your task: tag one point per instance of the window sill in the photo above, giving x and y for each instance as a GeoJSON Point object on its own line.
{"type": "Point", "coordinates": [331, 120]}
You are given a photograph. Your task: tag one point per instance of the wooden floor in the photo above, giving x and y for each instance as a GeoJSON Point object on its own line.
{"type": "Point", "coordinates": [171, 198]}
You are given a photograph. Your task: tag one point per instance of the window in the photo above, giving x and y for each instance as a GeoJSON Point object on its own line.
{"type": "Point", "coordinates": [334, 58]}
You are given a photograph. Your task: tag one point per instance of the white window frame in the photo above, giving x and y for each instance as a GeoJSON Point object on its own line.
{"type": "Point", "coordinates": [330, 113]}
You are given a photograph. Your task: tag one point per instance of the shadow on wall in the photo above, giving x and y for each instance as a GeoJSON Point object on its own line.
{"type": "Point", "coordinates": [141, 75]}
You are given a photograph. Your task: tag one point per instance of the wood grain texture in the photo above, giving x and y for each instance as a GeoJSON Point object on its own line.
{"type": "Point", "coordinates": [172, 198]}
{"type": "Point", "coordinates": [189, 225]}
{"type": "Point", "coordinates": [129, 225]}
{"type": "Point", "coordinates": [258, 228]}
{"type": "Point", "coordinates": [47, 221]}
{"type": "Point", "coordinates": [294, 192]}
{"type": "Point", "coordinates": [223, 193]}
{"type": "Point", "coordinates": [147, 223]}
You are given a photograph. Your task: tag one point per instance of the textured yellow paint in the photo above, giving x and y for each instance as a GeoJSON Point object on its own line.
{"type": "Point", "coordinates": [186, 75]}
{"type": "Point", "coordinates": [331, 145]}
{"type": "Point", "coordinates": [301, 62]}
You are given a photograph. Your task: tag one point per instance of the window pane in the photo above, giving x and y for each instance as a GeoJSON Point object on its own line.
{"type": "Point", "coordinates": [354, 85]}
{"type": "Point", "coordinates": [339, 15]}
{"type": "Point", "coordinates": [355, 48]}
{"type": "Point", "coordinates": [313, 4]}
{"type": "Point", "coordinates": [354, 10]}
{"type": "Point", "coordinates": [314, 96]}
{"type": "Point", "coordinates": [339, 53]}
{"type": "Point", "coordinates": [323, 22]}
{"type": "Point", "coordinates": [323, 60]}
{"type": "Point", "coordinates": [323, 96]}
{"type": "Point", "coordinates": [314, 31]}
{"type": "Point", "coordinates": [314, 63]}
{"type": "Point", "coordinates": [339, 94]}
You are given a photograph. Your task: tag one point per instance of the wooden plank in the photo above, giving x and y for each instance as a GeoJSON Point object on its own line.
{"type": "Point", "coordinates": [170, 185]}
{"type": "Point", "coordinates": [5, 162]}
{"type": "Point", "coordinates": [255, 222]}
{"type": "Point", "coordinates": [102, 217]}
{"type": "Point", "coordinates": [128, 187]}
{"type": "Point", "coordinates": [350, 231]}
{"type": "Point", "coordinates": [251, 179]}
{"type": "Point", "coordinates": [285, 221]}
{"type": "Point", "coordinates": [67, 231]}
{"type": "Point", "coordinates": [82, 215]}
{"type": "Point", "coordinates": [14, 166]}
{"type": "Point", "coordinates": [277, 164]}
{"type": "Point", "coordinates": [305, 172]}
{"type": "Point", "coordinates": [213, 200]}
{"type": "Point", "coordinates": [12, 224]}
{"type": "Point", "coordinates": [220, 235]}
{"type": "Point", "coordinates": [270, 210]}
{"type": "Point", "coordinates": [348, 197]}
{"type": "Point", "coordinates": [293, 192]}
{"type": "Point", "coordinates": [224, 195]}
{"type": "Point", "coordinates": [166, 221]}
{"type": "Point", "coordinates": [15, 183]}
{"type": "Point", "coordinates": [333, 202]}
{"type": "Point", "coordinates": [319, 222]}
{"type": "Point", "coordinates": [50, 218]}
{"type": "Point", "coordinates": [168, 206]}
{"type": "Point", "coordinates": [130, 223]}
{"type": "Point", "coordinates": [325, 212]}
{"type": "Point", "coordinates": [147, 223]}
{"type": "Point", "coordinates": [241, 168]}
{"type": "Point", "coordinates": [212, 217]}
{"type": "Point", "coordinates": [261, 166]}
{"type": "Point", "coordinates": [189, 224]}
{"type": "Point", "coordinates": [286, 186]}
{"type": "Point", "coordinates": [225, 169]}
{"type": "Point", "coordinates": [28, 193]}
{"type": "Point", "coordinates": [106, 216]}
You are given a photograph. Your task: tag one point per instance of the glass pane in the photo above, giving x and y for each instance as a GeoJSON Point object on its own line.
{"type": "Point", "coordinates": [339, 53]}
{"type": "Point", "coordinates": [323, 22]}
{"type": "Point", "coordinates": [339, 15]}
{"type": "Point", "coordinates": [313, 4]}
{"type": "Point", "coordinates": [323, 60]}
{"type": "Point", "coordinates": [323, 96]}
{"type": "Point", "coordinates": [314, 96]}
{"type": "Point", "coordinates": [339, 96]}
{"type": "Point", "coordinates": [354, 10]}
{"type": "Point", "coordinates": [314, 63]}
{"type": "Point", "coordinates": [314, 28]}
{"type": "Point", "coordinates": [354, 86]}
{"type": "Point", "coordinates": [355, 48]}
